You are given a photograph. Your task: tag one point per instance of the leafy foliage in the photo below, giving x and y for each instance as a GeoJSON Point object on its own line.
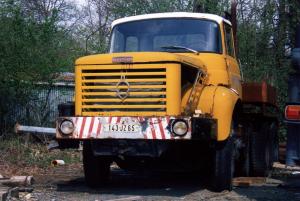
{"type": "Point", "coordinates": [17, 153]}
{"type": "Point", "coordinates": [31, 51]}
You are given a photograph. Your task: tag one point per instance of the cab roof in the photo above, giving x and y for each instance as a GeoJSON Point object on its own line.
{"type": "Point", "coordinates": [212, 17]}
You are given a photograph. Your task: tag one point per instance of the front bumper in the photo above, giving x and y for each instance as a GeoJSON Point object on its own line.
{"type": "Point", "coordinates": [151, 128]}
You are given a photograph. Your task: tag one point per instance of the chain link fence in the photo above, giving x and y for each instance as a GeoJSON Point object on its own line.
{"type": "Point", "coordinates": [41, 109]}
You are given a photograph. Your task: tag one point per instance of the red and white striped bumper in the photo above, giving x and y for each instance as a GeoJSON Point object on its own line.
{"type": "Point", "coordinates": [150, 128]}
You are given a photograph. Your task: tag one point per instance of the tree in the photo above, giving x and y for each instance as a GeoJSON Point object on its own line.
{"type": "Point", "coordinates": [32, 49]}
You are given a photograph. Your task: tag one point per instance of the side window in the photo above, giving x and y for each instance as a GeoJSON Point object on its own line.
{"type": "Point", "coordinates": [229, 40]}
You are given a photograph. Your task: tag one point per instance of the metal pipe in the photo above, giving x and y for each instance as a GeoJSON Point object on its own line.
{"type": "Point", "coordinates": [58, 162]}
{"type": "Point", "coordinates": [293, 137]}
{"type": "Point", "coordinates": [296, 51]}
{"type": "Point", "coordinates": [33, 129]}
{"type": "Point", "coordinates": [234, 23]}
{"type": "Point", "coordinates": [297, 42]}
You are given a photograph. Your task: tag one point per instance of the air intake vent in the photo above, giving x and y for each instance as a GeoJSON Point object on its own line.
{"type": "Point", "coordinates": [111, 90]}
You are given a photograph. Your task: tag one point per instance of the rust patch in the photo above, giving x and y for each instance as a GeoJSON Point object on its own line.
{"type": "Point", "coordinates": [259, 93]}
{"type": "Point", "coordinates": [122, 60]}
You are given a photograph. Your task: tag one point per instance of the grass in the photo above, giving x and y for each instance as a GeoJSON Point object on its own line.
{"type": "Point", "coordinates": [15, 152]}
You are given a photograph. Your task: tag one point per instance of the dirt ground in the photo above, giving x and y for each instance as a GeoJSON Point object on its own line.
{"type": "Point", "coordinates": [67, 183]}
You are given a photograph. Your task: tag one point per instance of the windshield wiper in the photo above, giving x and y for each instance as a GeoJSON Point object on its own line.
{"type": "Point", "coordinates": [174, 47]}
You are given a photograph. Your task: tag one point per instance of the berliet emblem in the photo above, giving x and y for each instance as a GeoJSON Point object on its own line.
{"type": "Point", "coordinates": [123, 88]}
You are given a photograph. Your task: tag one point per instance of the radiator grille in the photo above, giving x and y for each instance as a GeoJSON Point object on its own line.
{"type": "Point", "coordinates": [103, 90]}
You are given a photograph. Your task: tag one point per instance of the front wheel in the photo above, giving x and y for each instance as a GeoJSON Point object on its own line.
{"type": "Point", "coordinates": [223, 165]}
{"type": "Point", "coordinates": [96, 169]}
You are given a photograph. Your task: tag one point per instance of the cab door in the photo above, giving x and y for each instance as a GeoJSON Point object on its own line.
{"type": "Point", "coordinates": [231, 60]}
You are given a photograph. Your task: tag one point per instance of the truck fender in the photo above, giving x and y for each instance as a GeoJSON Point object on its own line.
{"type": "Point", "coordinates": [219, 102]}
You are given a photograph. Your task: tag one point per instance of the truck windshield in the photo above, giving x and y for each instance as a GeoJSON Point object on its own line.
{"type": "Point", "coordinates": [156, 34]}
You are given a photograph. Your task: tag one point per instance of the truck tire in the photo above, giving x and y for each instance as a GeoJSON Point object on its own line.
{"type": "Point", "coordinates": [96, 169]}
{"type": "Point", "coordinates": [242, 166]}
{"type": "Point", "coordinates": [223, 166]}
{"type": "Point", "coordinates": [260, 153]}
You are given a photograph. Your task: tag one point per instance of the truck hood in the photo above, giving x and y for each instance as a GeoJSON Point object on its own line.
{"type": "Point", "coordinates": [139, 57]}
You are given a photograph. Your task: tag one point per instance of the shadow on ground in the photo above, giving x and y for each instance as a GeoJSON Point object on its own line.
{"type": "Point", "coordinates": [171, 186]}
{"type": "Point", "coordinates": [160, 184]}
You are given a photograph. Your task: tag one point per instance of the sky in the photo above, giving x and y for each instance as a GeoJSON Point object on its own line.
{"type": "Point", "coordinates": [80, 2]}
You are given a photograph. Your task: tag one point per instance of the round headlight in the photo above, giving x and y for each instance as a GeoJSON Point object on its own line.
{"type": "Point", "coordinates": [180, 128]}
{"type": "Point", "coordinates": [66, 127]}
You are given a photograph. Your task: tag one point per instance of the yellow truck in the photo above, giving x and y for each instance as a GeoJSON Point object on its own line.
{"type": "Point", "coordinates": [169, 96]}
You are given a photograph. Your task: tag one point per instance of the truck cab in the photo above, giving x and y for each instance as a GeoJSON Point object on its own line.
{"type": "Point", "coordinates": [167, 96]}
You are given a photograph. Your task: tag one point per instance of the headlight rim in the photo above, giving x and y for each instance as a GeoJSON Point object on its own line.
{"type": "Point", "coordinates": [61, 130]}
{"type": "Point", "coordinates": [173, 125]}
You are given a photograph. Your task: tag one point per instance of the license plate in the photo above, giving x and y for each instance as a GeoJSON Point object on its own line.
{"type": "Point", "coordinates": [121, 128]}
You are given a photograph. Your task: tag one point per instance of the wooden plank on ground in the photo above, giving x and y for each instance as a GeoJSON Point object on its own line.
{"type": "Point", "coordinates": [3, 192]}
{"type": "Point", "coordinates": [249, 181]}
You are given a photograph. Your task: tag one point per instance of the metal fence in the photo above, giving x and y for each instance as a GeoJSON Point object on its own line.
{"type": "Point", "coordinates": [41, 109]}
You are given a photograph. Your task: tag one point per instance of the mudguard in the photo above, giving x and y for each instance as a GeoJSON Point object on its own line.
{"type": "Point", "coordinates": [219, 102]}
